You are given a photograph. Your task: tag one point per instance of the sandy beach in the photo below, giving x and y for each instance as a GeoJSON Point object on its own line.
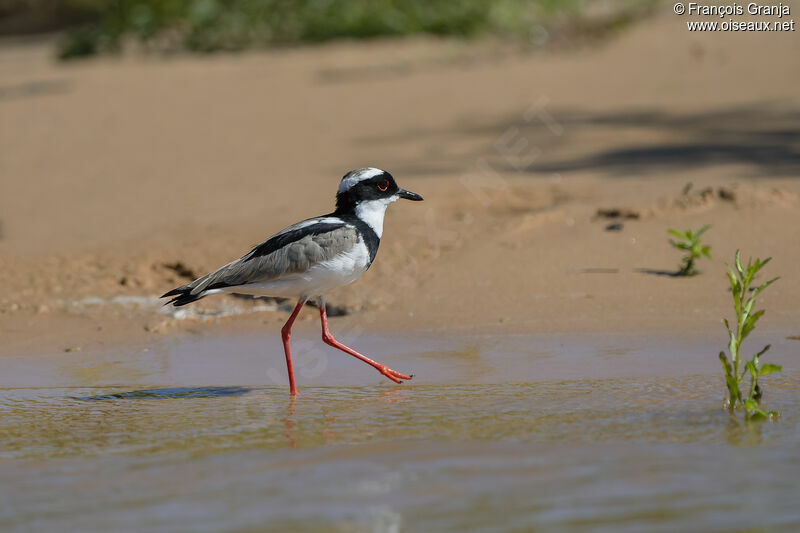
{"type": "Point", "coordinates": [124, 178]}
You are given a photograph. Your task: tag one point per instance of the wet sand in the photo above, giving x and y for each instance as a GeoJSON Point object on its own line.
{"type": "Point", "coordinates": [250, 360]}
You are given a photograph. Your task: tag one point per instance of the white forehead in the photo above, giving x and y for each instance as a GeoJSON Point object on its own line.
{"type": "Point", "coordinates": [355, 176]}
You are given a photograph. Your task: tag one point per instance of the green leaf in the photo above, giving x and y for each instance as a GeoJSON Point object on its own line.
{"type": "Point", "coordinates": [733, 383]}
{"type": "Point", "coordinates": [751, 367]}
{"type": "Point", "coordinates": [750, 323]}
{"type": "Point", "coordinates": [706, 251]}
{"type": "Point", "coordinates": [676, 233]}
{"type": "Point", "coordinates": [748, 307]}
{"type": "Point", "coordinates": [733, 348]}
{"type": "Point", "coordinates": [702, 230]}
{"type": "Point", "coordinates": [739, 264]}
{"type": "Point", "coordinates": [763, 350]}
{"type": "Point", "coordinates": [732, 278]}
{"type": "Point", "coordinates": [727, 326]}
{"type": "Point", "coordinates": [733, 389]}
{"type": "Point", "coordinates": [725, 364]}
{"type": "Point", "coordinates": [764, 286]}
{"type": "Point", "coordinates": [769, 368]}
{"type": "Point", "coordinates": [751, 405]}
{"type": "Point", "coordinates": [735, 289]}
{"type": "Point", "coordinates": [758, 415]}
{"type": "Point", "coordinates": [750, 272]}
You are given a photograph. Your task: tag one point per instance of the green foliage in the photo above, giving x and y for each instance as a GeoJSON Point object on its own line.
{"type": "Point", "coordinates": [690, 243]}
{"type": "Point", "coordinates": [740, 279]}
{"type": "Point", "coordinates": [208, 25]}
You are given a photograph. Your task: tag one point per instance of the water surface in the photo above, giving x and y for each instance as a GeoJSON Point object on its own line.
{"type": "Point", "coordinates": [519, 433]}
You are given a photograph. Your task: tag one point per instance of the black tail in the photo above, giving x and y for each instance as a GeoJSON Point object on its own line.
{"type": "Point", "coordinates": [183, 295]}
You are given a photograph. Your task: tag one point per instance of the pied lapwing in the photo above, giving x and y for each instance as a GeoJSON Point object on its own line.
{"type": "Point", "coordinates": [312, 257]}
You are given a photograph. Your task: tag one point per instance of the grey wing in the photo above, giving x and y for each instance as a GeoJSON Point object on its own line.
{"type": "Point", "coordinates": [292, 251]}
{"type": "Point", "coordinates": [293, 258]}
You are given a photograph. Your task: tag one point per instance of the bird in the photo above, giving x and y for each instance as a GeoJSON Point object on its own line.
{"type": "Point", "coordinates": [311, 258]}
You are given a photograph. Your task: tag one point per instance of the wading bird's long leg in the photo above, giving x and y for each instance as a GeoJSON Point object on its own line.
{"type": "Point", "coordinates": [328, 339]}
{"type": "Point", "coordinates": [286, 333]}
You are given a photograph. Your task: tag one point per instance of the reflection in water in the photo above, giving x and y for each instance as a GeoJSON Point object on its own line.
{"type": "Point", "coordinates": [740, 432]}
{"type": "Point", "coordinates": [167, 393]}
{"type": "Point", "coordinates": [290, 423]}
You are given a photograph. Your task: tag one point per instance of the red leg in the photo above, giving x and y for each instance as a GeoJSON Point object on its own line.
{"type": "Point", "coordinates": [286, 333]}
{"type": "Point", "coordinates": [328, 339]}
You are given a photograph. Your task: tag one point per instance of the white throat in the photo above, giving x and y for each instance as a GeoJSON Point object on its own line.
{"type": "Point", "coordinates": [372, 211]}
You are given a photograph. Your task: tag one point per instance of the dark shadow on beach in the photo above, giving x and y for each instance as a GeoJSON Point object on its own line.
{"type": "Point", "coordinates": [657, 272]}
{"type": "Point", "coordinates": [765, 137]}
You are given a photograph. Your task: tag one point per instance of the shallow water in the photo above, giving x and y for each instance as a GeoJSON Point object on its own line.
{"type": "Point", "coordinates": [600, 433]}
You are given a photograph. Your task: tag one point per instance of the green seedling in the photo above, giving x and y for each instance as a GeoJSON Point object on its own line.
{"type": "Point", "coordinates": [746, 318]}
{"type": "Point", "coordinates": [690, 243]}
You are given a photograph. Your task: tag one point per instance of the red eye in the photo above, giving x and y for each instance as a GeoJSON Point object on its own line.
{"type": "Point", "coordinates": [383, 185]}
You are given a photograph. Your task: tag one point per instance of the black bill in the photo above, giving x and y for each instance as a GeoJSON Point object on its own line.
{"type": "Point", "coordinates": [408, 195]}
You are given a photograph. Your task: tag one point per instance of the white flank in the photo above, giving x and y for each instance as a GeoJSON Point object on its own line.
{"type": "Point", "coordinates": [321, 278]}
{"type": "Point", "coordinates": [372, 212]}
{"type": "Point", "coordinates": [356, 176]}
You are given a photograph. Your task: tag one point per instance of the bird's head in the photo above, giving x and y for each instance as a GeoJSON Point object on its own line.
{"type": "Point", "coordinates": [369, 186]}
{"type": "Point", "coordinates": [367, 192]}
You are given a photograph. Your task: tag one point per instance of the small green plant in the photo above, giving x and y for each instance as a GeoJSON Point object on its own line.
{"type": "Point", "coordinates": [746, 318]}
{"type": "Point", "coordinates": [690, 243]}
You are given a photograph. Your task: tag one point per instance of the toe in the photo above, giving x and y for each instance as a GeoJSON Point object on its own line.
{"type": "Point", "coordinates": [399, 375]}
{"type": "Point", "coordinates": [391, 374]}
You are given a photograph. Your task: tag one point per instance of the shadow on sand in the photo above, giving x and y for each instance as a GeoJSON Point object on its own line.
{"type": "Point", "coordinates": [762, 136]}
{"type": "Point", "coordinates": [656, 272]}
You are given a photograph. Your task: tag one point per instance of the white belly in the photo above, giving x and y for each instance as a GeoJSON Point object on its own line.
{"type": "Point", "coordinates": [320, 279]}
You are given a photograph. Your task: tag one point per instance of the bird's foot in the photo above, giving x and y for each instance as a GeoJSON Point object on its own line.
{"type": "Point", "coordinates": [394, 375]}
